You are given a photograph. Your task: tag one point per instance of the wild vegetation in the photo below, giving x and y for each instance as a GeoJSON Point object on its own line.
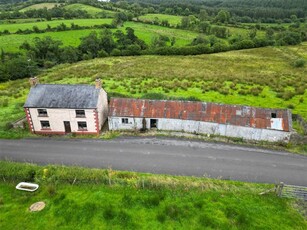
{"type": "Point", "coordinates": [104, 198]}
{"type": "Point", "coordinates": [268, 77]}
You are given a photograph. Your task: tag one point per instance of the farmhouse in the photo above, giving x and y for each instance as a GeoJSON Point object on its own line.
{"type": "Point", "coordinates": [200, 117]}
{"type": "Point", "coordinates": [62, 109]}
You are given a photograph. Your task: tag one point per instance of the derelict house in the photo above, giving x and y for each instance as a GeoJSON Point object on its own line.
{"type": "Point", "coordinates": [200, 117]}
{"type": "Point", "coordinates": [62, 109]}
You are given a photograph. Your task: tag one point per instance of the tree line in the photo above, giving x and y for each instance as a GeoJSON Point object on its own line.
{"type": "Point", "coordinates": [266, 11]}
{"type": "Point", "coordinates": [46, 52]}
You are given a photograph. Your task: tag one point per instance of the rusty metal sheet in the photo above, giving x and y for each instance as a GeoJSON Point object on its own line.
{"type": "Point", "coordinates": [201, 111]}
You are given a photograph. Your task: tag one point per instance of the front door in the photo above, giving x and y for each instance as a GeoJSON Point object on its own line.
{"type": "Point", "coordinates": [67, 127]}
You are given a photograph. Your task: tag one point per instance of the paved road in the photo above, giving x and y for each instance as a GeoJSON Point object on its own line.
{"type": "Point", "coordinates": [163, 156]}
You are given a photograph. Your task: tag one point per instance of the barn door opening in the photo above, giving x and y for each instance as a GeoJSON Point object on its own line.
{"type": "Point", "coordinates": [153, 123]}
{"type": "Point", "coordinates": [67, 127]}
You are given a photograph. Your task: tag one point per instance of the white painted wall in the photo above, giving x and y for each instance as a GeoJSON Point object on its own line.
{"type": "Point", "coordinates": [56, 118]}
{"type": "Point", "coordinates": [115, 123]}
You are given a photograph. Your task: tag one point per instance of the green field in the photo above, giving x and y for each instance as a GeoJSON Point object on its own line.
{"type": "Point", "coordinates": [94, 11]}
{"type": "Point", "coordinates": [79, 198]}
{"type": "Point", "coordinates": [172, 19]}
{"type": "Point", "coordinates": [147, 32]}
{"type": "Point", "coordinates": [12, 28]}
{"type": "Point", "coordinates": [39, 6]}
{"type": "Point", "coordinates": [230, 77]}
{"type": "Point", "coordinates": [11, 43]}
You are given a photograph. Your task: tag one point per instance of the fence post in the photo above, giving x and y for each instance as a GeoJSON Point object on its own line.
{"type": "Point", "coordinates": [280, 188]}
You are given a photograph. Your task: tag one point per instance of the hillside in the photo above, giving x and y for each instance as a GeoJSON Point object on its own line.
{"type": "Point", "coordinates": [263, 77]}
{"type": "Point", "coordinates": [39, 6]}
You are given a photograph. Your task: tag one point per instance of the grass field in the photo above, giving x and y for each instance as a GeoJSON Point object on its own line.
{"type": "Point", "coordinates": [108, 199]}
{"type": "Point", "coordinates": [43, 25]}
{"type": "Point", "coordinates": [172, 19]}
{"type": "Point", "coordinates": [94, 11]}
{"type": "Point", "coordinates": [11, 43]}
{"type": "Point", "coordinates": [230, 77]}
{"type": "Point", "coordinates": [39, 6]}
{"type": "Point", "coordinates": [147, 32]}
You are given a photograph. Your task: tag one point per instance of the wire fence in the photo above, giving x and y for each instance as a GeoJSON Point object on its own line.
{"type": "Point", "coordinates": [291, 191]}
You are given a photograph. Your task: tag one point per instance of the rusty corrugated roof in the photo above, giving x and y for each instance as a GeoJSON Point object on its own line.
{"type": "Point", "coordinates": [199, 111]}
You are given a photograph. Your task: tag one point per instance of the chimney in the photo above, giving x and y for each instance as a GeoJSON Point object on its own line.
{"type": "Point", "coordinates": [98, 83]}
{"type": "Point", "coordinates": [33, 81]}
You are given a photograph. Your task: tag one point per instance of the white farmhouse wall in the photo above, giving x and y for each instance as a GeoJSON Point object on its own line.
{"type": "Point", "coordinates": [56, 118]}
{"type": "Point", "coordinates": [249, 133]}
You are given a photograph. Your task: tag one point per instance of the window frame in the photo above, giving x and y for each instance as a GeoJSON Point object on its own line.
{"type": "Point", "coordinates": [125, 120]}
{"type": "Point", "coordinates": [44, 114]}
{"type": "Point", "coordinates": [45, 127]}
{"type": "Point", "coordinates": [80, 127]}
{"type": "Point", "coordinates": [80, 115]}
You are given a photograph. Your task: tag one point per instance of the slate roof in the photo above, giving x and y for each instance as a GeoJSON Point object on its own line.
{"type": "Point", "coordinates": [198, 111]}
{"type": "Point", "coordinates": [62, 96]}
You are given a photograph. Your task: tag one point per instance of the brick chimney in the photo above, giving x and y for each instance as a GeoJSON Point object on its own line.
{"type": "Point", "coordinates": [33, 81]}
{"type": "Point", "coordinates": [98, 83]}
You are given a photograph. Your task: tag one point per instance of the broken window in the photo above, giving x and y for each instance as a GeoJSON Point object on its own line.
{"type": "Point", "coordinates": [42, 112]}
{"type": "Point", "coordinates": [273, 115]}
{"type": "Point", "coordinates": [124, 120]}
{"type": "Point", "coordinates": [153, 123]}
{"type": "Point", "coordinates": [80, 113]}
{"type": "Point", "coordinates": [45, 124]}
{"type": "Point", "coordinates": [82, 125]}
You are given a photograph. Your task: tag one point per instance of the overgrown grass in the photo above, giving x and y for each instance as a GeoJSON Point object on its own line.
{"type": "Point", "coordinates": [93, 11]}
{"type": "Point", "coordinates": [39, 6]}
{"type": "Point", "coordinates": [172, 19]}
{"type": "Point", "coordinates": [54, 23]}
{"type": "Point", "coordinates": [255, 77]}
{"type": "Point", "coordinates": [82, 198]}
{"type": "Point", "coordinates": [11, 43]}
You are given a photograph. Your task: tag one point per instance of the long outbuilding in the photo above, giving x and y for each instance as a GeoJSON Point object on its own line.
{"type": "Point", "coordinates": [245, 122]}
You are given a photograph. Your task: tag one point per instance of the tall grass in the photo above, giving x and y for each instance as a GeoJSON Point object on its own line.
{"type": "Point", "coordinates": [124, 205]}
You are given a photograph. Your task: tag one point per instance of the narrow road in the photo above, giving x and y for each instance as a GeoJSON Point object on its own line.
{"type": "Point", "coordinates": [163, 156]}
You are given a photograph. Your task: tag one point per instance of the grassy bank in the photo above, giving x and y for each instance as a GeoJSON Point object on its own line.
{"type": "Point", "coordinates": [261, 77]}
{"type": "Point", "coordinates": [82, 198]}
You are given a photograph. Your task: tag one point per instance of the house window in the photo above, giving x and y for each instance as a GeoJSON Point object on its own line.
{"type": "Point", "coordinates": [82, 125]}
{"type": "Point", "coordinates": [42, 112]}
{"type": "Point", "coordinates": [45, 124]}
{"type": "Point", "coordinates": [273, 115]}
{"type": "Point", "coordinates": [80, 113]}
{"type": "Point", "coordinates": [124, 120]}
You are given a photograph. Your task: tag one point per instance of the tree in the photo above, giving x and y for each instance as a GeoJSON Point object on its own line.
{"type": "Point", "coordinates": [203, 15]}
{"type": "Point", "coordinates": [70, 54]}
{"type": "Point", "coordinates": [119, 19]}
{"type": "Point", "coordinates": [107, 42]}
{"type": "Point", "coordinates": [90, 44]}
{"type": "Point", "coordinates": [223, 16]}
{"type": "Point", "coordinates": [43, 49]}
{"type": "Point", "coordinates": [185, 22]}
{"type": "Point", "coordinates": [204, 27]}
{"type": "Point", "coordinates": [20, 67]}
{"type": "Point", "coordinates": [252, 33]}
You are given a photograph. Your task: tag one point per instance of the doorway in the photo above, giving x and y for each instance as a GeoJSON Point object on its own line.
{"type": "Point", "coordinates": [67, 127]}
{"type": "Point", "coordinates": [153, 123]}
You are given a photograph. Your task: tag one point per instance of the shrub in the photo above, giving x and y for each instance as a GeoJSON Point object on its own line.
{"type": "Point", "coordinates": [299, 63]}
{"type": "Point", "coordinates": [291, 106]}
{"type": "Point", "coordinates": [51, 190]}
{"type": "Point", "coordinates": [109, 213]}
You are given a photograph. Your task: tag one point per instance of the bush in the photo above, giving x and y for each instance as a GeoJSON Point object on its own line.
{"type": "Point", "coordinates": [299, 63]}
